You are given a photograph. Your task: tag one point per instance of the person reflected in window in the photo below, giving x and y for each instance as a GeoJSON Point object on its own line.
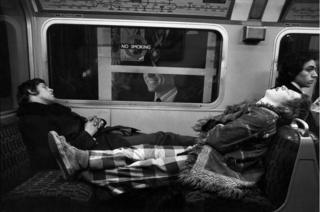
{"type": "Point", "coordinates": [167, 50]}
{"type": "Point", "coordinates": [163, 85]}
{"type": "Point", "coordinates": [164, 88]}
{"type": "Point", "coordinates": [39, 113]}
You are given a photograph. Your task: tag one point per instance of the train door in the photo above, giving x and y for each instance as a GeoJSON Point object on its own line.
{"type": "Point", "coordinates": [14, 53]}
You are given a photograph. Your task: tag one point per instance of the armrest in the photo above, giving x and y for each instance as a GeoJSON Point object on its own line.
{"type": "Point", "coordinates": [301, 126]}
{"type": "Point", "coordinates": [303, 192]}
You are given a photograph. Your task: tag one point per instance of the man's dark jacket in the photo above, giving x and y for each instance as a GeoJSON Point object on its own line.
{"type": "Point", "coordinates": [185, 97]}
{"type": "Point", "coordinates": [290, 86]}
{"type": "Point", "coordinates": [36, 120]}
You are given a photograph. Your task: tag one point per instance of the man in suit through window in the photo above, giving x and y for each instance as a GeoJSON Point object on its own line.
{"type": "Point", "coordinates": [164, 88]}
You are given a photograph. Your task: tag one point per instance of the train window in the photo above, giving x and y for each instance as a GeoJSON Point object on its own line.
{"type": "Point", "coordinates": [134, 63]}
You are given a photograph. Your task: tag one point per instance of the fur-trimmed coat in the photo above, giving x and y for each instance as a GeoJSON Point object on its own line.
{"type": "Point", "coordinates": [229, 157]}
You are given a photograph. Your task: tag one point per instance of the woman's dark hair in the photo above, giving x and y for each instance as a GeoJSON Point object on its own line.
{"type": "Point", "coordinates": [27, 88]}
{"type": "Point", "coordinates": [291, 65]}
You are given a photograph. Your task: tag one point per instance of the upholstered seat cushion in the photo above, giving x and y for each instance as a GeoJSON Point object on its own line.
{"type": "Point", "coordinates": [204, 201]}
{"type": "Point", "coordinates": [279, 165]}
{"type": "Point", "coordinates": [14, 163]}
{"type": "Point", "coordinates": [49, 190]}
{"type": "Point", "coordinates": [179, 198]}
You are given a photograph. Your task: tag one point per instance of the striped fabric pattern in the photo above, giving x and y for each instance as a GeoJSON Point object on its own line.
{"type": "Point", "coordinates": [135, 167]}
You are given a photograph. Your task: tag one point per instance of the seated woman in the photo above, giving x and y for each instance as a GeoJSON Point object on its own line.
{"type": "Point", "coordinates": [227, 158]}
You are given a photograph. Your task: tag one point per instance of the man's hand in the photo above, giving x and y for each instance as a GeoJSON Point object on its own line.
{"type": "Point", "coordinates": [93, 124]}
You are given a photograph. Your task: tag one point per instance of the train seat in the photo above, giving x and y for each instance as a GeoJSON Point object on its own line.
{"type": "Point", "coordinates": [290, 184]}
{"type": "Point", "coordinates": [23, 190]}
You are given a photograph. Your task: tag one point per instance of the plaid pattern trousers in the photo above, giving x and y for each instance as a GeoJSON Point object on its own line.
{"type": "Point", "coordinates": [140, 166]}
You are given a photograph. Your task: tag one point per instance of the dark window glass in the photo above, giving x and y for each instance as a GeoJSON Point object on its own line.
{"type": "Point", "coordinates": [160, 47]}
{"type": "Point", "coordinates": [299, 42]}
{"type": "Point", "coordinates": [73, 61]}
{"type": "Point", "coordinates": [142, 87]}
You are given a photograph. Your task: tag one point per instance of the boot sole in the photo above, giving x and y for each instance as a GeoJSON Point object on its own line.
{"type": "Point", "coordinates": [56, 153]}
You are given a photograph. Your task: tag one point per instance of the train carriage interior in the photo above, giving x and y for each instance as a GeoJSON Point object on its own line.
{"type": "Point", "coordinates": [115, 59]}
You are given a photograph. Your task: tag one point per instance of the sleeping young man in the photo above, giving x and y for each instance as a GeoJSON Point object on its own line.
{"type": "Point", "coordinates": [40, 113]}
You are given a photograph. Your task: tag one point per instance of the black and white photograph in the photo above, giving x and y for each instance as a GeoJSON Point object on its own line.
{"type": "Point", "coordinates": [159, 105]}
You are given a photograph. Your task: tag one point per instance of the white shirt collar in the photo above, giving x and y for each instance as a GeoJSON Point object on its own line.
{"type": "Point", "coordinates": [167, 97]}
{"type": "Point", "coordinates": [297, 86]}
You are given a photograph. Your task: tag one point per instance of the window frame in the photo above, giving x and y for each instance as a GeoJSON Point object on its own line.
{"type": "Point", "coordinates": [279, 37]}
{"type": "Point", "coordinates": [137, 23]}
{"type": "Point", "coordinates": [16, 74]}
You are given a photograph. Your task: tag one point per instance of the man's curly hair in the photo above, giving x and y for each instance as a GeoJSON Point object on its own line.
{"type": "Point", "coordinates": [26, 87]}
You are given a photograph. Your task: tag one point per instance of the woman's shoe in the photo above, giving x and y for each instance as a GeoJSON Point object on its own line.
{"type": "Point", "coordinates": [65, 155]}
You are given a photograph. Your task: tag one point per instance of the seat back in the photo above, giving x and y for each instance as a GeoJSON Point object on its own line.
{"type": "Point", "coordinates": [279, 162]}
{"type": "Point", "coordinates": [14, 159]}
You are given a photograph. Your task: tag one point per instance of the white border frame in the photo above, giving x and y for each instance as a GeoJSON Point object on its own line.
{"type": "Point", "coordinates": [139, 23]}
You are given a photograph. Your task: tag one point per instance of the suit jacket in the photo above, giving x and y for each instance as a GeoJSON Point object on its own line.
{"type": "Point", "coordinates": [292, 87]}
{"type": "Point", "coordinates": [182, 96]}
